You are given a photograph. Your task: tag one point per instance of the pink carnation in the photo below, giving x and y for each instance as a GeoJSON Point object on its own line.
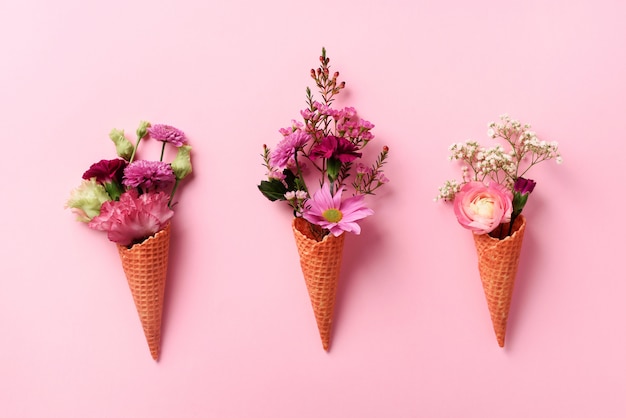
{"type": "Point", "coordinates": [336, 147]}
{"type": "Point", "coordinates": [133, 218]}
{"type": "Point", "coordinates": [482, 208]}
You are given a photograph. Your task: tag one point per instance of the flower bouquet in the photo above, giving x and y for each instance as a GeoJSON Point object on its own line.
{"type": "Point", "coordinates": [131, 200]}
{"type": "Point", "coordinates": [489, 202]}
{"type": "Point", "coordinates": [326, 146]}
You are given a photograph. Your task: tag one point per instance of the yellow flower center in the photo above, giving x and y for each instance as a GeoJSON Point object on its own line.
{"type": "Point", "coordinates": [483, 207]}
{"type": "Point", "coordinates": [332, 215]}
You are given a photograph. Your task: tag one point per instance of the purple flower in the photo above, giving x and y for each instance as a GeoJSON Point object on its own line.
{"type": "Point", "coordinates": [287, 147]}
{"type": "Point", "coordinates": [149, 176]}
{"type": "Point", "coordinates": [106, 171]}
{"type": "Point", "coordinates": [524, 186]}
{"type": "Point", "coordinates": [337, 148]}
{"type": "Point", "coordinates": [166, 133]}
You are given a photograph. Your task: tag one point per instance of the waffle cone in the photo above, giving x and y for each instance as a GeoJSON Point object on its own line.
{"type": "Point", "coordinates": [321, 263]}
{"type": "Point", "coordinates": [145, 266]}
{"type": "Point", "coordinates": [498, 260]}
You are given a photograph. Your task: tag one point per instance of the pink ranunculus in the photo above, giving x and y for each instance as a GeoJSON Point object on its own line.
{"type": "Point", "coordinates": [481, 208]}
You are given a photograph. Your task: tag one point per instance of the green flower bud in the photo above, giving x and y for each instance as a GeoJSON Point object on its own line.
{"type": "Point", "coordinates": [87, 199]}
{"type": "Point", "coordinates": [181, 166]}
{"type": "Point", "coordinates": [123, 146]}
{"type": "Point", "coordinates": [142, 130]}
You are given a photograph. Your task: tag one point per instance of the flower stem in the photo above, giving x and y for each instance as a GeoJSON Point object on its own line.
{"type": "Point", "coordinates": [162, 151]}
{"type": "Point", "coordinates": [169, 204]}
{"type": "Point", "coordinates": [132, 156]}
{"type": "Point", "coordinates": [513, 216]}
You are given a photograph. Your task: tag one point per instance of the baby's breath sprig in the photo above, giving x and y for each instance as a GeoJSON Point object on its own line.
{"type": "Point", "coordinates": [496, 164]}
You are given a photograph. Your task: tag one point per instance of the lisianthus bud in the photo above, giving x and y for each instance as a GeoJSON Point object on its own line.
{"type": "Point", "coordinates": [182, 163]}
{"type": "Point", "coordinates": [87, 199]}
{"type": "Point", "coordinates": [524, 186]}
{"type": "Point", "coordinates": [123, 146]}
{"type": "Point", "coordinates": [142, 130]}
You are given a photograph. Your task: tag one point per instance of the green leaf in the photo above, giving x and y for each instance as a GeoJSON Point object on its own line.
{"type": "Point", "coordinates": [333, 166]}
{"type": "Point", "coordinates": [273, 189]}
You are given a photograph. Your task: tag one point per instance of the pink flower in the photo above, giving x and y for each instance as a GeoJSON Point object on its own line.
{"type": "Point", "coordinates": [295, 126]}
{"type": "Point", "coordinates": [287, 147]}
{"type": "Point", "coordinates": [337, 216]}
{"type": "Point", "coordinates": [166, 133]}
{"type": "Point", "coordinates": [149, 176]}
{"type": "Point", "coordinates": [338, 148]}
{"type": "Point", "coordinates": [482, 208]}
{"type": "Point", "coordinates": [133, 218]}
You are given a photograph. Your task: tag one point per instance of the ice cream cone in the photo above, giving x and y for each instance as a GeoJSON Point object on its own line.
{"type": "Point", "coordinates": [145, 266]}
{"type": "Point", "coordinates": [498, 260]}
{"type": "Point", "coordinates": [321, 263]}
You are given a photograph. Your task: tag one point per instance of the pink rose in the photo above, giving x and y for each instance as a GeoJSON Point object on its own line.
{"type": "Point", "coordinates": [482, 208]}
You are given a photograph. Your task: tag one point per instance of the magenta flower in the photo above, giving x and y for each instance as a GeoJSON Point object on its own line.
{"type": "Point", "coordinates": [149, 176]}
{"type": "Point", "coordinates": [106, 171]}
{"type": "Point", "coordinates": [166, 133]}
{"type": "Point", "coordinates": [336, 148]}
{"type": "Point", "coordinates": [481, 208]}
{"type": "Point", "coordinates": [331, 213]}
{"type": "Point", "coordinates": [524, 186]}
{"type": "Point", "coordinates": [133, 218]}
{"type": "Point", "coordinates": [287, 147]}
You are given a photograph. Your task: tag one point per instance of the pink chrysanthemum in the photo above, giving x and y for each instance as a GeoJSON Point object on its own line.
{"type": "Point", "coordinates": [167, 133]}
{"type": "Point", "coordinates": [133, 218]}
{"type": "Point", "coordinates": [331, 213]}
{"type": "Point", "coordinates": [149, 176]}
{"type": "Point", "coordinates": [287, 147]}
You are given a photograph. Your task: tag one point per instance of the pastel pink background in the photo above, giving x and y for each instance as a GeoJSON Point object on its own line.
{"type": "Point", "coordinates": [412, 336]}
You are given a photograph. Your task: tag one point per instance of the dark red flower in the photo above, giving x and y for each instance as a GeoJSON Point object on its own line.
{"type": "Point", "coordinates": [106, 171]}
{"type": "Point", "coordinates": [524, 186]}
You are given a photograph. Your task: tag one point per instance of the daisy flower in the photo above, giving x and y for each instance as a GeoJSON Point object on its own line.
{"type": "Point", "coordinates": [331, 213]}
